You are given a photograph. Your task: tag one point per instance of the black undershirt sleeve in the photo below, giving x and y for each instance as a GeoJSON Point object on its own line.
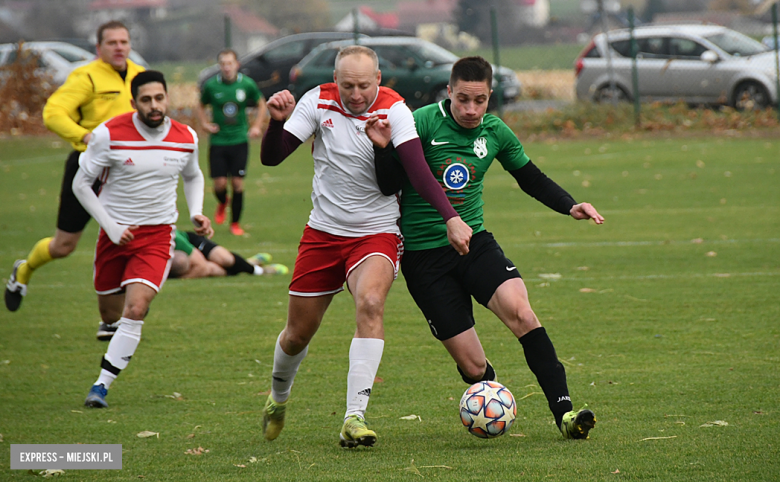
{"type": "Point", "coordinates": [390, 173]}
{"type": "Point", "coordinates": [537, 185]}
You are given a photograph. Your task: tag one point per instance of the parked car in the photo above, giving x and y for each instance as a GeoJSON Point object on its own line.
{"type": "Point", "coordinates": [57, 59]}
{"type": "Point", "coordinates": [90, 47]}
{"type": "Point", "coordinates": [270, 65]}
{"type": "Point", "coordinates": [698, 64]}
{"type": "Point", "coordinates": [417, 69]}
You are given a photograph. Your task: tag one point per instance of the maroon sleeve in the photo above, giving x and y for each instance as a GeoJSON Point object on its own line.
{"type": "Point", "coordinates": [277, 144]}
{"type": "Point", "coordinates": [413, 160]}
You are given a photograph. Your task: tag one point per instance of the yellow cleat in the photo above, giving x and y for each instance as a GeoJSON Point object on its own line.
{"type": "Point", "coordinates": [355, 432]}
{"type": "Point", "coordinates": [577, 424]}
{"type": "Point", "coordinates": [273, 418]}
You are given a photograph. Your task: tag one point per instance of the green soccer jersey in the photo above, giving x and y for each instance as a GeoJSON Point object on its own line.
{"type": "Point", "coordinates": [228, 104]}
{"type": "Point", "coordinates": [459, 159]}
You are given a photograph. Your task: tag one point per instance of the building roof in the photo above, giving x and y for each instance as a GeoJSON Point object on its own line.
{"type": "Point", "coordinates": [428, 11]}
{"type": "Point", "coordinates": [248, 22]}
{"type": "Point", "coordinates": [126, 4]}
{"type": "Point", "coordinates": [383, 20]}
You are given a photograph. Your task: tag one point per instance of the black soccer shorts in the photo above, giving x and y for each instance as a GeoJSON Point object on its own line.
{"type": "Point", "coordinates": [442, 282]}
{"type": "Point", "coordinates": [72, 217]}
{"type": "Point", "coordinates": [228, 160]}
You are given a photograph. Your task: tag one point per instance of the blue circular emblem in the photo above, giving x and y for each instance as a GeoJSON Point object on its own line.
{"type": "Point", "coordinates": [456, 176]}
{"type": "Point", "coordinates": [230, 109]}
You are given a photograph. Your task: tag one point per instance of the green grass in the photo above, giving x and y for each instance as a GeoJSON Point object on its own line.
{"type": "Point", "coordinates": [532, 57]}
{"type": "Point", "coordinates": [178, 72]}
{"type": "Point", "coordinates": [663, 340]}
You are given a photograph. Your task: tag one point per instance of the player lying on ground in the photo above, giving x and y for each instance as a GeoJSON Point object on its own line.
{"type": "Point", "coordinates": [460, 142]}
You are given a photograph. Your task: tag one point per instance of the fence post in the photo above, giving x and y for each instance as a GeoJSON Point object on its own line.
{"type": "Point", "coordinates": [497, 60]}
{"type": "Point", "coordinates": [634, 72]}
{"type": "Point", "coordinates": [610, 71]}
{"type": "Point", "coordinates": [777, 59]}
{"type": "Point", "coordinates": [228, 33]}
{"type": "Point", "coordinates": [355, 25]}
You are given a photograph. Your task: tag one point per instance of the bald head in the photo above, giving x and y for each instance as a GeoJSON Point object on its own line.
{"type": "Point", "coordinates": [358, 77]}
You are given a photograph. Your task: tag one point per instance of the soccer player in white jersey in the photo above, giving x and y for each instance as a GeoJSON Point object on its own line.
{"type": "Point", "coordinates": [352, 234]}
{"type": "Point", "coordinates": [139, 157]}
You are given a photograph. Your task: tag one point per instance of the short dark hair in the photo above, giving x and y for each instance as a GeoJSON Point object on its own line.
{"type": "Point", "coordinates": [109, 26]}
{"type": "Point", "coordinates": [226, 52]}
{"type": "Point", "coordinates": [472, 69]}
{"type": "Point", "coordinates": [146, 77]}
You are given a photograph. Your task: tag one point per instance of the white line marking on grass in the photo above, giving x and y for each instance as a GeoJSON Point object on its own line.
{"type": "Point", "coordinates": [625, 244]}
{"type": "Point", "coordinates": [664, 276]}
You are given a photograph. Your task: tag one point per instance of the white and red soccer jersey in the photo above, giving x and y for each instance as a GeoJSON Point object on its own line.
{"type": "Point", "coordinates": [346, 200]}
{"type": "Point", "coordinates": [139, 168]}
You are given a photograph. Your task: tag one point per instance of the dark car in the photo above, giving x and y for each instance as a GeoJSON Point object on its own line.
{"type": "Point", "coordinates": [270, 65]}
{"type": "Point", "coordinates": [417, 69]}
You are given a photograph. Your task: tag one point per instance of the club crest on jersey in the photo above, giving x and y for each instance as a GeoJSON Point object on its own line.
{"type": "Point", "coordinates": [480, 147]}
{"type": "Point", "coordinates": [230, 109]}
{"type": "Point", "coordinates": [240, 95]}
{"type": "Point", "coordinates": [456, 176]}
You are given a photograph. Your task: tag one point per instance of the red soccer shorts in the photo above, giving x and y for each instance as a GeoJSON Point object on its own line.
{"type": "Point", "coordinates": [325, 260]}
{"type": "Point", "coordinates": [146, 259]}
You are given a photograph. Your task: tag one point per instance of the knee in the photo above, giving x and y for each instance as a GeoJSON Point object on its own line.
{"type": "Point", "coordinates": [136, 310]}
{"type": "Point", "coordinates": [371, 306]}
{"type": "Point", "coordinates": [110, 315]}
{"type": "Point", "coordinates": [62, 248]}
{"type": "Point", "coordinates": [293, 343]}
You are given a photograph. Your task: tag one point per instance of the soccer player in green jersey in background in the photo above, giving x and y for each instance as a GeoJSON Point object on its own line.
{"type": "Point", "coordinates": [229, 93]}
{"type": "Point", "coordinates": [460, 142]}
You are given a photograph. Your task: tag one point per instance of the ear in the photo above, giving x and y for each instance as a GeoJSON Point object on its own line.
{"type": "Point", "coordinates": [334, 77]}
{"type": "Point", "coordinates": [133, 104]}
{"type": "Point", "coordinates": [378, 77]}
{"type": "Point", "coordinates": [449, 91]}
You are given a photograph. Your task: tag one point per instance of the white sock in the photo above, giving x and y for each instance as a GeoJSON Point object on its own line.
{"type": "Point", "coordinates": [285, 368]}
{"type": "Point", "coordinates": [121, 348]}
{"type": "Point", "coordinates": [258, 270]}
{"type": "Point", "coordinates": [364, 357]}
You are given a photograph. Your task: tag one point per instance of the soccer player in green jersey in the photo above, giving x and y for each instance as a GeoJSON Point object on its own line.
{"type": "Point", "coordinates": [460, 141]}
{"type": "Point", "coordinates": [229, 93]}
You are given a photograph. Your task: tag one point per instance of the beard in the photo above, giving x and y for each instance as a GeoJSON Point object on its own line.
{"type": "Point", "coordinates": [149, 122]}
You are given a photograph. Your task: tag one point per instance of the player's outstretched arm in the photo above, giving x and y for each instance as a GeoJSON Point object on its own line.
{"type": "Point", "coordinates": [586, 211]}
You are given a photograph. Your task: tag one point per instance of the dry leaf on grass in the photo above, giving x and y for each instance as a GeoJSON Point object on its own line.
{"type": "Point", "coordinates": [658, 438]}
{"type": "Point", "coordinates": [587, 290]}
{"type": "Point", "coordinates": [147, 434]}
{"type": "Point", "coordinates": [411, 417]}
{"type": "Point", "coordinates": [716, 423]}
{"type": "Point", "coordinates": [197, 451]}
{"type": "Point", "coordinates": [1, 437]}
{"type": "Point", "coordinates": [617, 471]}
{"type": "Point", "coordinates": [51, 473]}
{"type": "Point", "coordinates": [711, 254]}
{"type": "Point", "coordinates": [240, 466]}
{"type": "Point", "coordinates": [175, 396]}
{"type": "Point", "coordinates": [517, 435]}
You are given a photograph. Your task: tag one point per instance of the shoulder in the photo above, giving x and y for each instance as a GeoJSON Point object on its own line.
{"type": "Point", "coordinates": [387, 98]}
{"type": "Point", "coordinates": [181, 134]}
{"type": "Point", "coordinates": [328, 92]}
{"type": "Point", "coordinates": [426, 112]}
{"type": "Point", "coordinates": [121, 128]}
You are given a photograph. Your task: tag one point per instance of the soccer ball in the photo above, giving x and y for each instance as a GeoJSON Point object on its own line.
{"type": "Point", "coordinates": [488, 409]}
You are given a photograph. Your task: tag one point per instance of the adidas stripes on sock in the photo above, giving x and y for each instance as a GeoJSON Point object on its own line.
{"type": "Point", "coordinates": [365, 354]}
{"type": "Point", "coordinates": [120, 350]}
{"type": "Point", "coordinates": [285, 368]}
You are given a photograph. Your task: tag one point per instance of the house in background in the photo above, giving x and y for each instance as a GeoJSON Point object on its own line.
{"type": "Point", "coordinates": [249, 32]}
{"type": "Point", "coordinates": [368, 21]}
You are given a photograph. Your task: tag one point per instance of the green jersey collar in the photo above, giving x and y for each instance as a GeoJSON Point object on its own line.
{"type": "Point", "coordinates": [239, 76]}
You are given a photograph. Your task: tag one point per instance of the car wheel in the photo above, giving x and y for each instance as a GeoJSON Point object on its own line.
{"type": "Point", "coordinates": [607, 94]}
{"type": "Point", "coordinates": [750, 96]}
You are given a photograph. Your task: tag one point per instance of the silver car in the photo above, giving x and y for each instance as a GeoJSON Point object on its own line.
{"type": "Point", "coordinates": [698, 64]}
{"type": "Point", "coordinates": [56, 59]}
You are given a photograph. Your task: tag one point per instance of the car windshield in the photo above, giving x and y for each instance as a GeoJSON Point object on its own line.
{"type": "Point", "coordinates": [734, 43]}
{"type": "Point", "coordinates": [72, 53]}
{"type": "Point", "coordinates": [434, 53]}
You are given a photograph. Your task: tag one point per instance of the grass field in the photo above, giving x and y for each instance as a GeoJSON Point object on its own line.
{"type": "Point", "coordinates": [666, 319]}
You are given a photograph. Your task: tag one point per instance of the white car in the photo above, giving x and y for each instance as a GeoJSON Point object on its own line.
{"type": "Point", "coordinates": [698, 64]}
{"type": "Point", "coordinates": [57, 59]}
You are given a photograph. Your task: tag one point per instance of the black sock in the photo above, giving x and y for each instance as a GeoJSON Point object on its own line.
{"type": "Point", "coordinates": [240, 266]}
{"type": "Point", "coordinates": [490, 374]}
{"type": "Point", "coordinates": [237, 205]}
{"type": "Point", "coordinates": [543, 362]}
{"type": "Point", "coordinates": [221, 196]}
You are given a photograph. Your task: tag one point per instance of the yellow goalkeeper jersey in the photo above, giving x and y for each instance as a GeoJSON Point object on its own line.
{"type": "Point", "coordinates": [91, 95]}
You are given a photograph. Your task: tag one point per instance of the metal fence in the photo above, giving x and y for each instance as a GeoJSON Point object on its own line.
{"type": "Point", "coordinates": [697, 64]}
